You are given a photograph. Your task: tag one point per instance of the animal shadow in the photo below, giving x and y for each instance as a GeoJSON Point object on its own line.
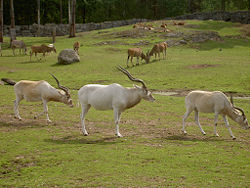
{"type": "Point", "coordinates": [81, 140]}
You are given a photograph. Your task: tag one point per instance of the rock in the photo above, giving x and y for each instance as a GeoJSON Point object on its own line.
{"type": "Point", "coordinates": [68, 56]}
{"type": "Point", "coordinates": [183, 42]}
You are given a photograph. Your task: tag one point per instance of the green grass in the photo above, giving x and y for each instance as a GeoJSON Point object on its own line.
{"type": "Point", "coordinates": [153, 151]}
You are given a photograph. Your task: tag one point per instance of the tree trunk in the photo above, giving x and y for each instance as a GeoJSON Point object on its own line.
{"type": "Point", "coordinates": [73, 15]}
{"type": "Point", "coordinates": [190, 6]}
{"type": "Point", "coordinates": [38, 17]}
{"type": "Point", "coordinates": [84, 14]}
{"type": "Point", "coordinates": [69, 7]}
{"type": "Point", "coordinates": [223, 5]}
{"type": "Point", "coordinates": [12, 26]}
{"type": "Point", "coordinates": [61, 11]}
{"type": "Point", "coordinates": [1, 21]}
{"type": "Point", "coordinates": [155, 7]}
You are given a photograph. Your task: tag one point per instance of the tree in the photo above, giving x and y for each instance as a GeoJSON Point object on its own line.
{"type": "Point", "coordinates": [69, 11]}
{"type": "Point", "coordinates": [223, 5]}
{"type": "Point", "coordinates": [12, 25]}
{"type": "Point", "coordinates": [1, 21]}
{"type": "Point", "coordinates": [61, 11]}
{"type": "Point", "coordinates": [72, 30]}
{"type": "Point", "coordinates": [38, 17]}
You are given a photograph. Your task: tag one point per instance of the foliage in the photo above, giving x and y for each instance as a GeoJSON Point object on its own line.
{"type": "Point", "coordinates": [106, 10]}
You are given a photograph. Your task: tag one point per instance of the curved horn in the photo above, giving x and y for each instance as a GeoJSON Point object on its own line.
{"type": "Point", "coordinates": [130, 76]}
{"type": "Point", "coordinates": [241, 110]}
{"type": "Point", "coordinates": [231, 99]}
{"type": "Point", "coordinates": [60, 86]}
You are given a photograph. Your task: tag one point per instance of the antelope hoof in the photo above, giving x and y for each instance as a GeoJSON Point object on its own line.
{"type": "Point", "coordinates": [234, 138]}
{"type": "Point", "coordinates": [184, 132]}
{"type": "Point", "coordinates": [203, 133]}
{"type": "Point", "coordinates": [119, 135]}
{"type": "Point", "coordinates": [18, 117]}
{"type": "Point", "coordinates": [217, 135]}
{"type": "Point", "coordinates": [85, 134]}
{"type": "Point", "coordinates": [35, 117]}
{"type": "Point", "coordinates": [49, 121]}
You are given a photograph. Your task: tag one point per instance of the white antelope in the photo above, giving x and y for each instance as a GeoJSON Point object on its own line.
{"type": "Point", "coordinates": [113, 96]}
{"type": "Point", "coordinates": [18, 44]}
{"type": "Point", "coordinates": [33, 91]}
{"type": "Point", "coordinates": [213, 102]}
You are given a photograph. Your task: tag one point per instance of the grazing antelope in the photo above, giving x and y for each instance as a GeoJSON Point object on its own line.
{"type": "Point", "coordinates": [41, 49]}
{"type": "Point", "coordinates": [112, 97]}
{"type": "Point", "coordinates": [33, 91]}
{"type": "Point", "coordinates": [18, 44]}
{"type": "Point", "coordinates": [51, 48]}
{"type": "Point", "coordinates": [76, 46]}
{"type": "Point", "coordinates": [137, 52]}
{"type": "Point", "coordinates": [213, 102]}
{"type": "Point", "coordinates": [158, 48]}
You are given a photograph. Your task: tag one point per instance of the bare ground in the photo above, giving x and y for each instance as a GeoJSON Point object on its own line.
{"type": "Point", "coordinates": [152, 133]}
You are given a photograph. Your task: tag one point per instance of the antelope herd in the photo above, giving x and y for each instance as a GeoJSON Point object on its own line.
{"type": "Point", "coordinates": [118, 98]}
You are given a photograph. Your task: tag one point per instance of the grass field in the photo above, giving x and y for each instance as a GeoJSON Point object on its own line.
{"type": "Point", "coordinates": [153, 151]}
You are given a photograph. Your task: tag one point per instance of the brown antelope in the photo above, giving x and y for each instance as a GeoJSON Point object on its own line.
{"type": "Point", "coordinates": [213, 102]}
{"type": "Point", "coordinates": [137, 52]}
{"type": "Point", "coordinates": [181, 23]}
{"type": "Point", "coordinates": [164, 25]}
{"type": "Point", "coordinates": [158, 48]}
{"type": "Point", "coordinates": [76, 46]}
{"type": "Point", "coordinates": [41, 49]}
{"type": "Point", "coordinates": [112, 97]}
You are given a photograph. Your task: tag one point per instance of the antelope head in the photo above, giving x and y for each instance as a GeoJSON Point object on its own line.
{"type": "Point", "coordinates": [147, 95]}
{"type": "Point", "coordinates": [241, 119]}
{"type": "Point", "coordinates": [146, 57]}
{"type": "Point", "coordinates": [65, 97]}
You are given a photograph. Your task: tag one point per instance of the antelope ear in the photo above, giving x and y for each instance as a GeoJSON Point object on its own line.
{"type": "Point", "coordinates": [231, 99]}
{"type": "Point", "coordinates": [136, 86]}
{"type": "Point", "coordinates": [60, 92]}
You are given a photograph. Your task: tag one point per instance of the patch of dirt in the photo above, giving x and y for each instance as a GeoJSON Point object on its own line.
{"type": "Point", "coordinates": [142, 43]}
{"type": "Point", "coordinates": [246, 30]}
{"type": "Point", "coordinates": [17, 164]}
{"type": "Point", "coordinates": [132, 33]}
{"type": "Point", "coordinates": [116, 42]}
{"type": "Point", "coordinates": [147, 130]}
{"type": "Point", "coordinates": [201, 66]}
{"type": "Point", "coordinates": [113, 49]}
{"type": "Point", "coordinates": [193, 26]}
{"type": "Point", "coordinates": [235, 36]}
{"type": "Point", "coordinates": [202, 36]}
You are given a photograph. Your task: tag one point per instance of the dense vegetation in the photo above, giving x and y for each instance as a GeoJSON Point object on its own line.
{"type": "Point", "coordinates": [153, 151]}
{"type": "Point", "coordinates": [103, 10]}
